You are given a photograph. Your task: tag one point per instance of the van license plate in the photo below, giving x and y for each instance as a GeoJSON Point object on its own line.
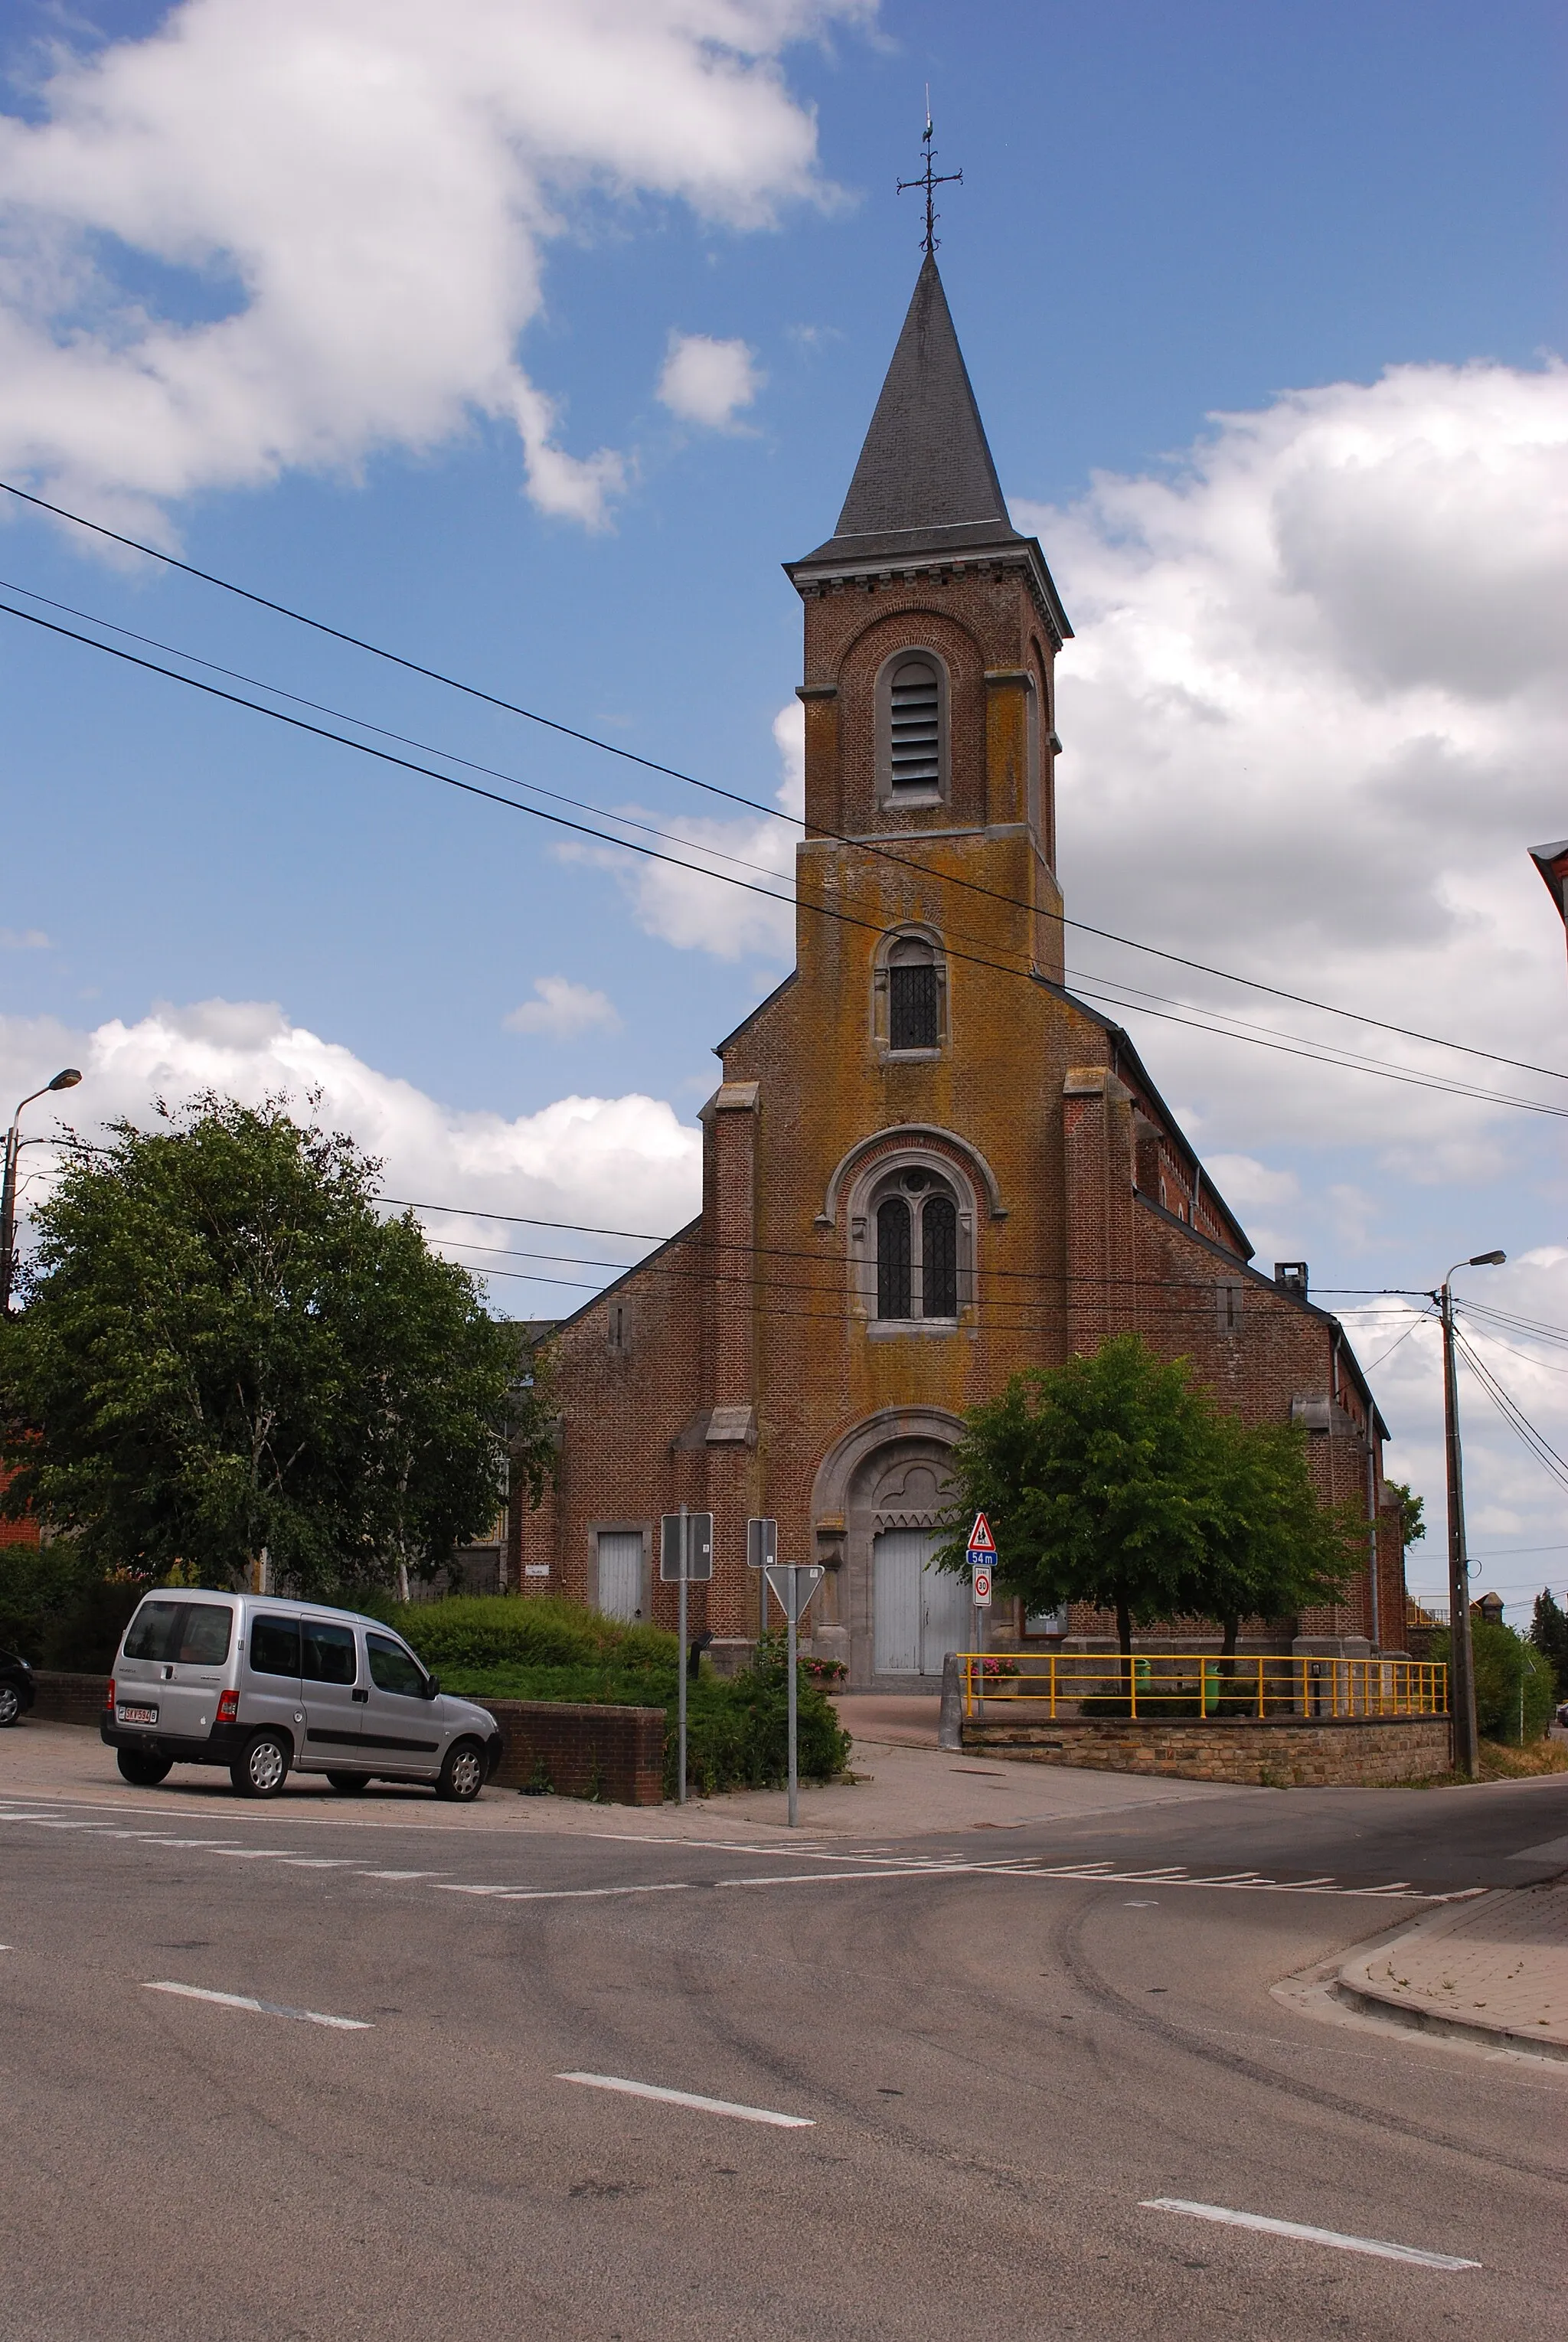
{"type": "Point", "coordinates": [135, 1715]}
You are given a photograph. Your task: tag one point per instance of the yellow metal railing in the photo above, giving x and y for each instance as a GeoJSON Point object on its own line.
{"type": "Point", "coordinates": [1189, 1684]}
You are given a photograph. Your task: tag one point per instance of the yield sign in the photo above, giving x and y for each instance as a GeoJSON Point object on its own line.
{"type": "Point", "coordinates": [980, 1537]}
{"type": "Point", "coordinates": [793, 1586]}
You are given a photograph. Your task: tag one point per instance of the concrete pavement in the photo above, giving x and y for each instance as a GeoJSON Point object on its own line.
{"type": "Point", "coordinates": [1006, 2058]}
{"type": "Point", "coordinates": [1496, 1969]}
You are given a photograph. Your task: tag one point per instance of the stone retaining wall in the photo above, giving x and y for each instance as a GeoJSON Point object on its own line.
{"type": "Point", "coordinates": [1349, 1753]}
{"type": "Point", "coordinates": [616, 1755]}
{"type": "Point", "coordinates": [613, 1754]}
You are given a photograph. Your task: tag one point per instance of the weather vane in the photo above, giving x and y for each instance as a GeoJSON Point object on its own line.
{"type": "Point", "coordinates": [929, 179]}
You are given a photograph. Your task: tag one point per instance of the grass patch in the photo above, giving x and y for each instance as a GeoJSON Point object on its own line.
{"type": "Point", "coordinates": [1499, 1763]}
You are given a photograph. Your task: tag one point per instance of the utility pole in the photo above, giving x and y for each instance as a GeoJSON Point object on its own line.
{"type": "Point", "coordinates": [1461, 1659]}
{"type": "Point", "coordinates": [65, 1080]}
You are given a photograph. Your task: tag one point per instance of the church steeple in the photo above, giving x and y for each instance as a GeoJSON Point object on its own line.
{"type": "Point", "coordinates": [925, 490]}
{"type": "Point", "coordinates": [926, 469]}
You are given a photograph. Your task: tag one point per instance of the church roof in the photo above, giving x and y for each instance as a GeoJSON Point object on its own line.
{"type": "Point", "coordinates": [926, 465]}
{"type": "Point", "coordinates": [925, 485]}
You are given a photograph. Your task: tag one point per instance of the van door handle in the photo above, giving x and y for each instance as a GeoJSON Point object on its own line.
{"type": "Point", "coordinates": [360, 1694]}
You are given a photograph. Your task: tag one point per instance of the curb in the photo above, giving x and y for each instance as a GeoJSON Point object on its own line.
{"type": "Point", "coordinates": [1353, 1988]}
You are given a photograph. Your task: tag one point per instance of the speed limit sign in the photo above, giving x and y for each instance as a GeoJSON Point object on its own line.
{"type": "Point", "coordinates": [981, 1587]}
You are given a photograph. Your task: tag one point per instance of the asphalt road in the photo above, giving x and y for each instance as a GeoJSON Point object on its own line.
{"type": "Point", "coordinates": [999, 2050]}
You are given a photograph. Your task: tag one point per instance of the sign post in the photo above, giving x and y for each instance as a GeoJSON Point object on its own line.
{"type": "Point", "coordinates": [982, 1559]}
{"type": "Point", "coordinates": [761, 1552]}
{"type": "Point", "coordinates": [794, 1584]}
{"type": "Point", "coordinates": [686, 1552]}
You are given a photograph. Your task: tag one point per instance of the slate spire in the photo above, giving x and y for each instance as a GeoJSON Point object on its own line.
{"type": "Point", "coordinates": [925, 466]}
{"type": "Point", "coordinates": [925, 492]}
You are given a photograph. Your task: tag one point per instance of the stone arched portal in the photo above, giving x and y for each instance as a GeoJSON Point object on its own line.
{"type": "Point", "coordinates": [877, 1498]}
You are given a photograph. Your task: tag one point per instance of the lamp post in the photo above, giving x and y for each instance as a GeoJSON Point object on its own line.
{"type": "Point", "coordinates": [1460, 1663]}
{"type": "Point", "coordinates": [65, 1080]}
{"type": "Point", "coordinates": [1552, 861]}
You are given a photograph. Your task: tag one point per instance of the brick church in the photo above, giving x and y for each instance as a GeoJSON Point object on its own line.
{"type": "Point", "coordinates": [926, 1164]}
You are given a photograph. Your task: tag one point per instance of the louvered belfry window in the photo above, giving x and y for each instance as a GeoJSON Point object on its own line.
{"type": "Point", "coordinates": [914, 751]}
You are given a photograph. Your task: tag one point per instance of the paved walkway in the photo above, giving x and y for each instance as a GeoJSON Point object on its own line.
{"type": "Point", "coordinates": [1494, 1968]}
{"type": "Point", "coordinates": [896, 1791]}
{"type": "Point", "coordinates": [890, 1720]}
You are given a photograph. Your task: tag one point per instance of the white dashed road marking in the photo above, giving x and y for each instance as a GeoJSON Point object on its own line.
{"type": "Point", "coordinates": [262, 2007]}
{"type": "Point", "coordinates": [1303, 2235]}
{"type": "Point", "coordinates": [686, 2098]}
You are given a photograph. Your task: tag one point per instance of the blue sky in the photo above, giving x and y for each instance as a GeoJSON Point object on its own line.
{"type": "Point", "coordinates": [1314, 716]}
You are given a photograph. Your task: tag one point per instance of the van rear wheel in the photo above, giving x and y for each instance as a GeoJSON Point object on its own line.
{"type": "Point", "coordinates": [142, 1769]}
{"type": "Point", "coordinates": [462, 1772]}
{"type": "Point", "coordinates": [262, 1768]}
{"type": "Point", "coordinates": [349, 1785]}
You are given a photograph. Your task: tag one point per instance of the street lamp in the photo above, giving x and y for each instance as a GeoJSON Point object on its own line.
{"type": "Point", "coordinates": [1461, 1661]}
{"type": "Point", "coordinates": [1552, 861]}
{"type": "Point", "coordinates": [65, 1080]}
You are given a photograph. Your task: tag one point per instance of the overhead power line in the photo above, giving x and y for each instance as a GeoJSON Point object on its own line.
{"type": "Point", "coordinates": [1513, 1414]}
{"type": "Point", "coordinates": [754, 805]}
{"type": "Point", "coordinates": [1198, 1021]}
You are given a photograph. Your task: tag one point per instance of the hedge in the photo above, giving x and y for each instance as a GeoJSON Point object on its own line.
{"type": "Point", "coordinates": [497, 1647]}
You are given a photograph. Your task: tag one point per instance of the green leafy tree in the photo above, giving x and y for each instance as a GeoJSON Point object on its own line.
{"type": "Point", "coordinates": [225, 1350]}
{"type": "Point", "coordinates": [1411, 1507]}
{"type": "Point", "coordinates": [1270, 1548]}
{"type": "Point", "coordinates": [1515, 1688]}
{"type": "Point", "coordinates": [1094, 1477]}
{"type": "Point", "coordinates": [1549, 1632]}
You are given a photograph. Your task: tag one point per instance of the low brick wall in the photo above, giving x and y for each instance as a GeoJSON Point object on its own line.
{"type": "Point", "coordinates": [1287, 1753]}
{"type": "Point", "coordinates": [613, 1754]}
{"type": "Point", "coordinates": [69, 1700]}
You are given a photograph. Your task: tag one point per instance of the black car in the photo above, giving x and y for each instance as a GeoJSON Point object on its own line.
{"type": "Point", "coordinates": [16, 1690]}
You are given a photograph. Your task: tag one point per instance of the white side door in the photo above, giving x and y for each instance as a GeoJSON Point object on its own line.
{"type": "Point", "coordinates": [945, 1622]}
{"type": "Point", "coordinates": [621, 1573]}
{"type": "Point", "coordinates": [897, 1558]}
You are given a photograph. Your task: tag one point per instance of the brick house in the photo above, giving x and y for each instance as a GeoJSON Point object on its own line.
{"type": "Point", "coordinates": [927, 1164]}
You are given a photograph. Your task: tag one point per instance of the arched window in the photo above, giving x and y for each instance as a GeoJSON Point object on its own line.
{"type": "Point", "coordinates": [912, 727]}
{"type": "Point", "coordinates": [910, 993]}
{"type": "Point", "coordinates": [939, 1256]}
{"type": "Point", "coordinates": [893, 1259]}
{"type": "Point", "coordinates": [917, 1223]}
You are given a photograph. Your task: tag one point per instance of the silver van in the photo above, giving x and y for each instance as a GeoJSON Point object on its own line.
{"type": "Point", "coordinates": [267, 1687]}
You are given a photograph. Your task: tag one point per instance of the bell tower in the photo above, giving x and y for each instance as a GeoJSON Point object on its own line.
{"type": "Point", "coordinates": [932, 629]}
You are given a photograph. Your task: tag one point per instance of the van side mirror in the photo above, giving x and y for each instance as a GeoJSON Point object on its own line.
{"type": "Point", "coordinates": [432, 1686]}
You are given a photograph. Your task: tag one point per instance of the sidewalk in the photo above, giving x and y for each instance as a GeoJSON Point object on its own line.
{"type": "Point", "coordinates": [897, 1790]}
{"type": "Point", "coordinates": [1493, 1969]}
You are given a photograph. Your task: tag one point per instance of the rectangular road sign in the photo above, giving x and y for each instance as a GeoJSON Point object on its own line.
{"type": "Point", "coordinates": [685, 1547]}
{"type": "Point", "coordinates": [793, 1586]}
{"type": "Point", "coordinates": [762, 1543]}
{"type": "Point", "coordinates": [980, 1584]}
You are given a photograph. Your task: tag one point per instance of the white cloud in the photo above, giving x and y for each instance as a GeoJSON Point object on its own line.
{"type": "Point", "coordinates": [563, 1010]}
{"type": "Point", "coordinates": [1315, 714]}
{"type": "Point", "coordinates": [707, 382]}
{"type": "Point", "coordinates": [24, 939]}
{"type": "Point", "coordinates": [352, 201]}
{"type": "Point", "coordinates": [677, 902]}
{"type": "Point", "coordinates": [1249, 1184]}
{"type": "Point", "coordinates": [617, 1163]}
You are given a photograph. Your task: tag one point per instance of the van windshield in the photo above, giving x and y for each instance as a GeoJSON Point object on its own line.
{"type": "Point", "coordinates": [195, 1634]}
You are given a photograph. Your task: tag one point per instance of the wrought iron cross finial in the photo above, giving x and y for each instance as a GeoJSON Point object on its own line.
{"type": "Point", "coordinates": [929, 179]}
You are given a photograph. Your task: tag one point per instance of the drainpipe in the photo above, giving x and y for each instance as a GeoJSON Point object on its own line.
{"type": "Point", "coordinates": [1372, 1537]}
